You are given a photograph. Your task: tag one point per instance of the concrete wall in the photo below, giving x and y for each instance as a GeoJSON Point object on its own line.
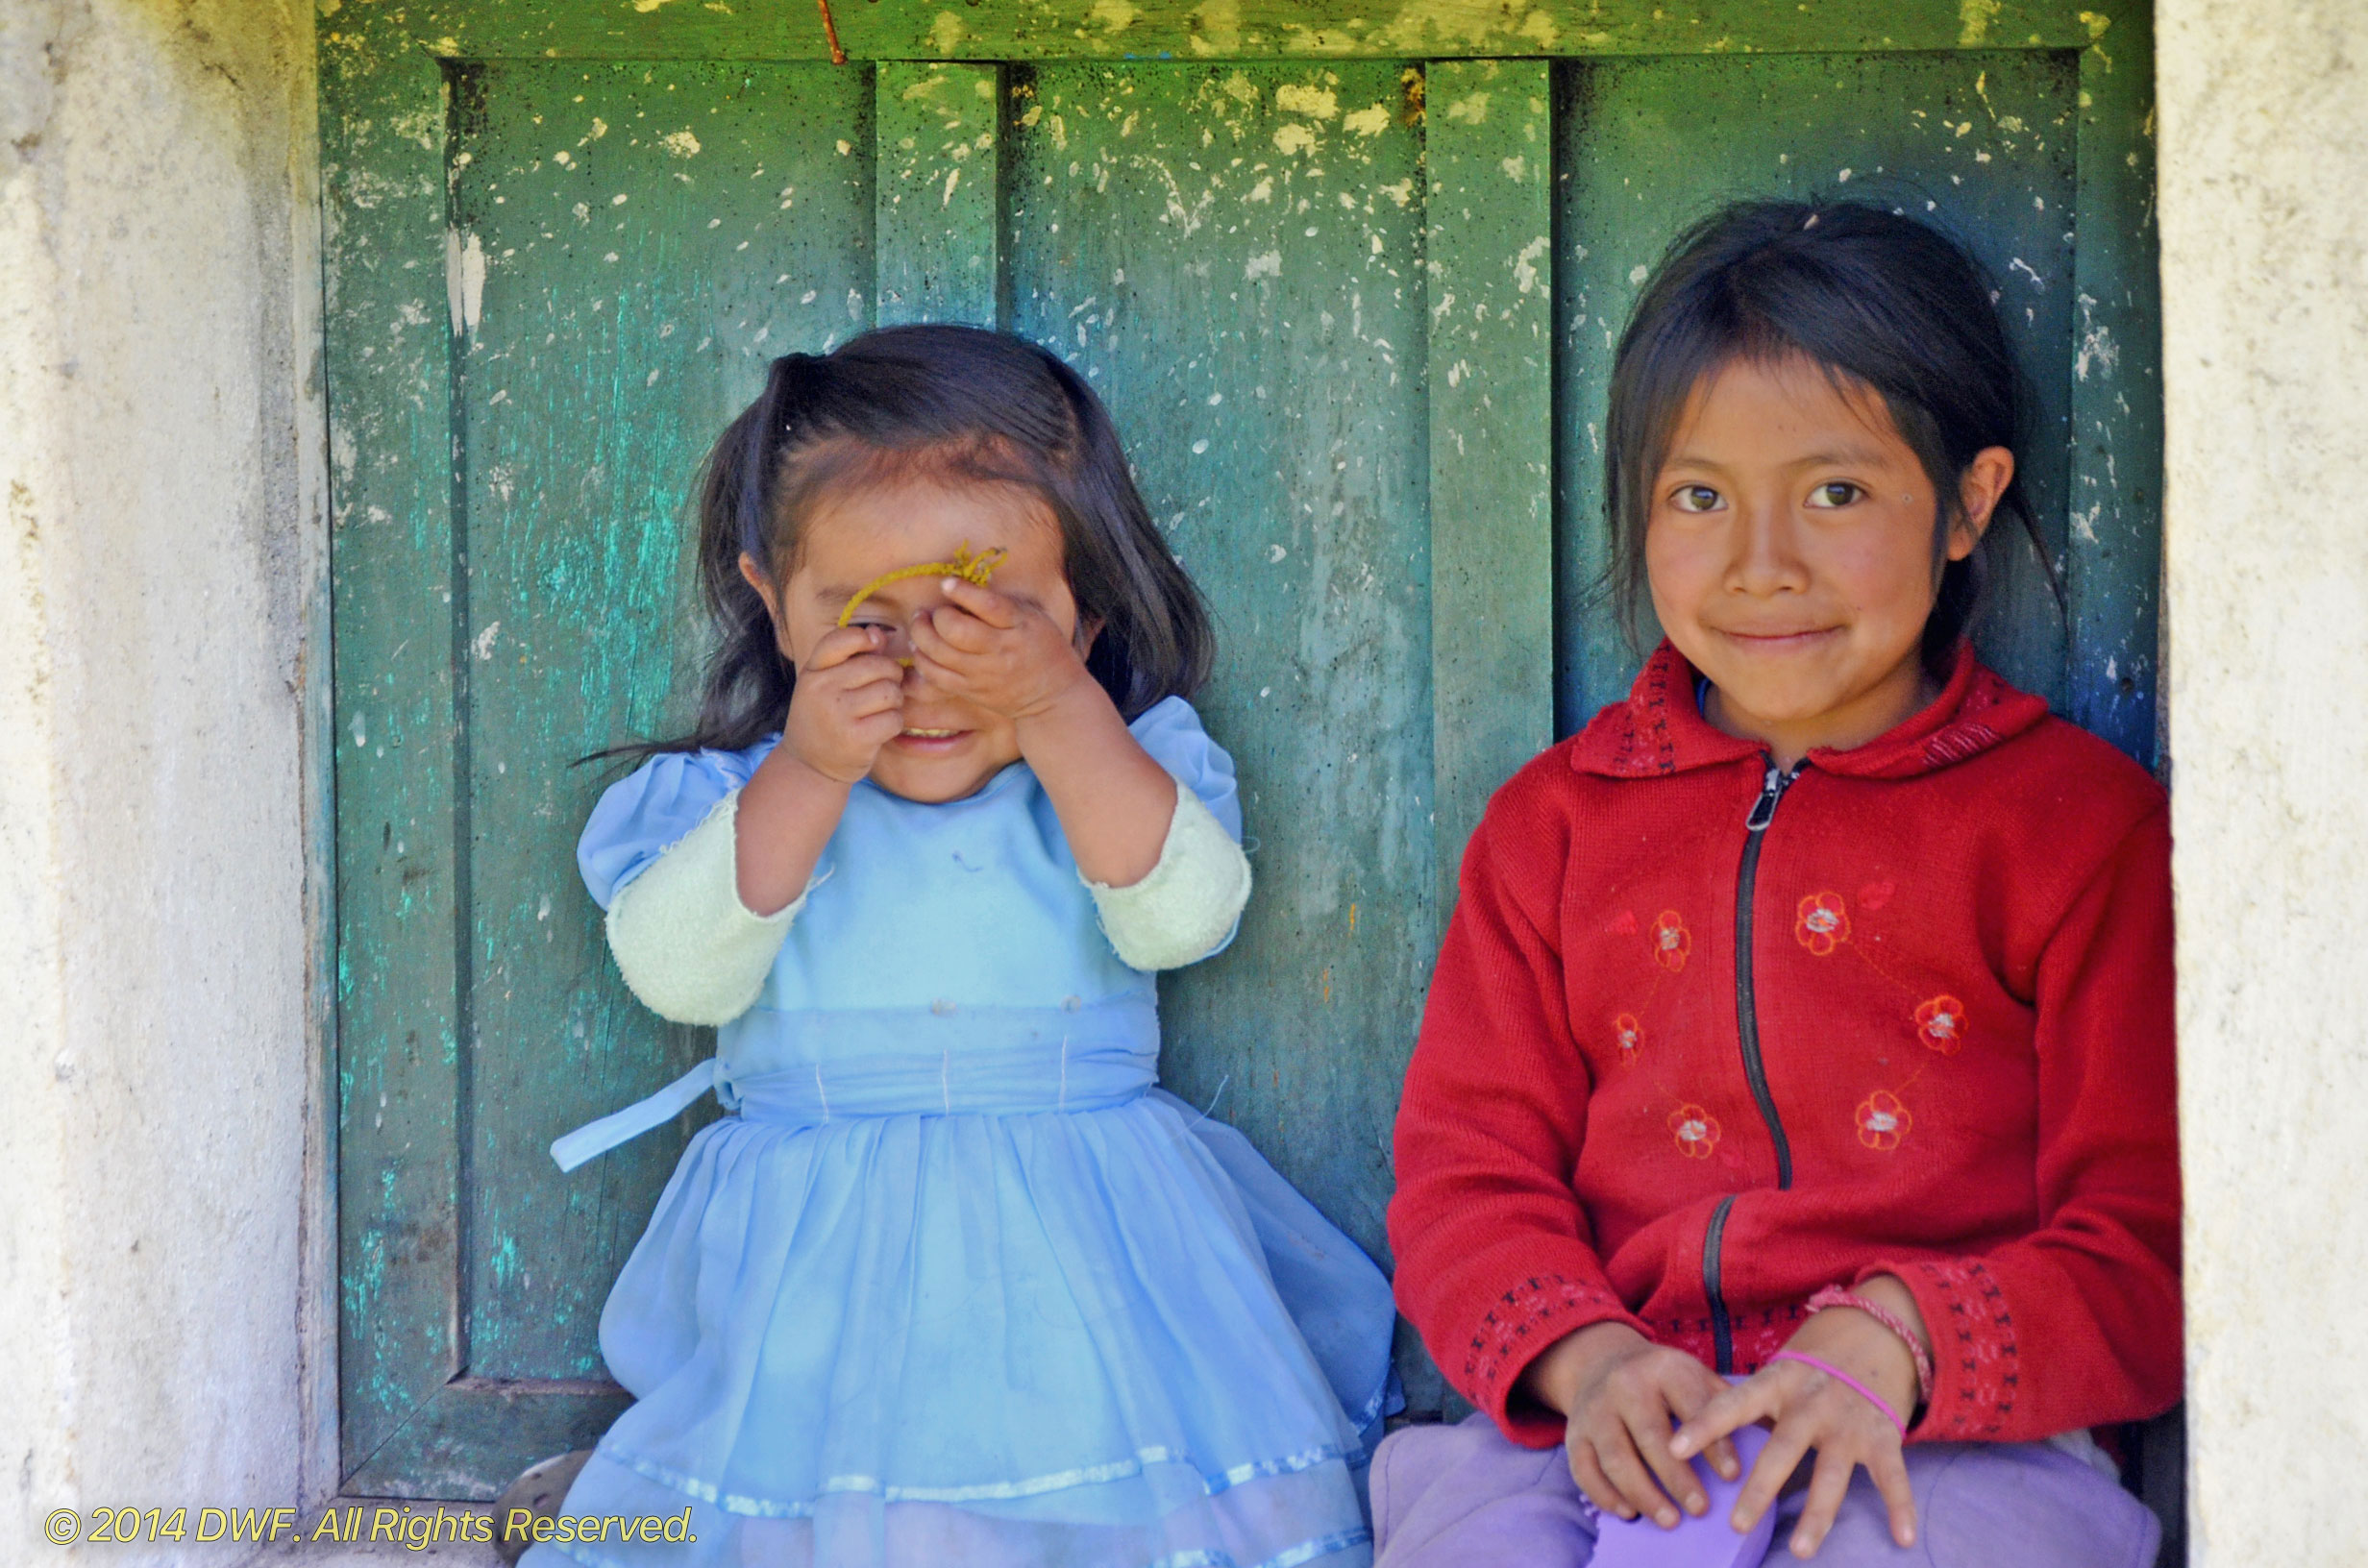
{"type": "Point", "coordinates": [161, 585]}
{"type": "Point", "coordinates": [2264, 143]}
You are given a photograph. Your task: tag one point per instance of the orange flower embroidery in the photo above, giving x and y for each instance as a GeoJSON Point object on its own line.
{"type": "Point", "coordinates": [1631, 1037]}
{"type": "Point", "coordinates": [1696, 1130]}
{"type": "Point", "coordinates": [1822, 925]}
{"type": "Point", "coordinates": [1941, 1023]}
{"type": "Point", "coordinates": [1883, 1121]}
{"type": "Point", "coordinates": [1671, 940]}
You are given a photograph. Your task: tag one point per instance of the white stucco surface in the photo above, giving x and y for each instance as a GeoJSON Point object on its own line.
{"type": "Point", "coordinates": [2265, 142]}
{"type": "Point", "coordinates": [160, 441]}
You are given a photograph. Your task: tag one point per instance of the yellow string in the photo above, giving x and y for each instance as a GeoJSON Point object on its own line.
{"type": "Point", "coordinates": [968, 567]}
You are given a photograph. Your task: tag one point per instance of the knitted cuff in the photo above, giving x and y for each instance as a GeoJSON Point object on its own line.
{"type": "Point", "coordinates": [1186, 908]}
{"type": "Point", "coordinates": [685, 944]}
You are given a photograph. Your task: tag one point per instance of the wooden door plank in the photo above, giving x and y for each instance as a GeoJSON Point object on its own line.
{"type": "Point", "coordinates": [1489, 150]}
{"type": "Point", "coordinates": [400, 885]}
{"type": "Point", "coordinates": [1232, 255]}
{"type": "Point", "coordinates": [1198, 31]}
{"type": "Point", "coordinates": [939, 183]}
{"type": "Point", "coordinates": [471, 1436]}
{"type": "Point", "coordinates": [651, 235]}
{"type": "Point", "coordinates": [1980, 142]}
{"type": "Point", "coordinates": [2113, 574]}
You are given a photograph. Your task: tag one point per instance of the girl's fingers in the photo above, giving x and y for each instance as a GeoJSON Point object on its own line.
{"type": "Point", "coordinates": [950, 636]}
{"type": "Point", "coordinates": [1733, 1407]}
{"type": "Point", "coordinates": [1689, 1400]}
{"type": "Point", "coordinates": [1889, 1470]}
{"type": "Point", "coordinates": [998, 610]}
{"type": "Point", "coordinates": [1828, 1485]}
{"type": "Point", "coordinates": [1624, 1468]}
{"type": "Point", "coordinates": [1588, 1472]}
{"type": "Point", "coordinates": [1776, 1463]}
{"type": "Point", "coordinates": [841, 644]}
{"type": "Point", "coordinates": [1677, 1478]}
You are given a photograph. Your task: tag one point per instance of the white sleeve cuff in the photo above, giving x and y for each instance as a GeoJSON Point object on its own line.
{"type": "Point", "coordinates": [1185, 909]}
{"type": "Point", "coordinates": [686, 944]}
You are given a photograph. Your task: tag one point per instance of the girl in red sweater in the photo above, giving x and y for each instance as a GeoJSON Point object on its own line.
{"type": "Point", "coordinates": [1791, 1139]}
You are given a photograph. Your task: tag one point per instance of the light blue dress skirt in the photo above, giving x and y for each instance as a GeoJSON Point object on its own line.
{"type": "Point", "coordinates": [958, 1285]}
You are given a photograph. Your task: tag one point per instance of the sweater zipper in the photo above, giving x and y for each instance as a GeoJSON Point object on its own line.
{"type": "Point", "coordinates": [1747, 1032]}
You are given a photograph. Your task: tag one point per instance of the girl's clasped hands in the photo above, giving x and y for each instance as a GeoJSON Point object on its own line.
{"type": "Point", "coordinates": [1621, 1394]}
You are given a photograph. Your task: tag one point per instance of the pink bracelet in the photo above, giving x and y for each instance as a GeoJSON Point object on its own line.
{"type": "Point", "coordinates": [1846, 1381]}
{"type": "Point", "coordinates": [1833, 1295]}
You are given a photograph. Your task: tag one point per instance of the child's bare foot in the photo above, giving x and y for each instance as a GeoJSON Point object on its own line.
{"type": "Point", "coordinates": [539, 1490]}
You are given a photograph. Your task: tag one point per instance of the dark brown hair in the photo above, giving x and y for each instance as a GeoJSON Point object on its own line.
{"type": "Point", "coordinates": [962, 406]}
{"type": "Point", "coordinates": [1880, 303]}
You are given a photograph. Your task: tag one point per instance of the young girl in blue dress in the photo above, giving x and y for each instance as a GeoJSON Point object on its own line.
{"type": "Point", "coordinates": [956, 1284]}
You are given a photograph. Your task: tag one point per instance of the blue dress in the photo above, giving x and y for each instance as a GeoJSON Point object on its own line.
{"type": "Point", "coordinates": [957, 1285]}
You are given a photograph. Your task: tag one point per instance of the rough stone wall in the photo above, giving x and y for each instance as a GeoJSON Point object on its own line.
{"type": "Point", "coordinates": [160, 589]}
{"type": "Point", "coordinates": [2265, 288]}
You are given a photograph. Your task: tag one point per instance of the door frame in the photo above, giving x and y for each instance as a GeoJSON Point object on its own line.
{"type": "Point", "coordinates": [390, 255]}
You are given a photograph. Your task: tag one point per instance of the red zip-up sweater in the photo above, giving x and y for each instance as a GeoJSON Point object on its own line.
{"type": "Point", "coordinates": [1703, 1039]}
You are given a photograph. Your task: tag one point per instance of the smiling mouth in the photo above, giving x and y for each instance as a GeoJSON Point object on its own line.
{"type": "Point", "coordinates": [931, 734]}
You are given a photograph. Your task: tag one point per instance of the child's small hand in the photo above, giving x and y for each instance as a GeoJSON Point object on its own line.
{"type": "Point", "coordinates": [995, 651]}
{"type": "Point", "coordinates": [848, 703]}
{"type": "Point", "coordinates": [1619, 1392]}
{"type": "Point", "coordinates": [1809, 1409]}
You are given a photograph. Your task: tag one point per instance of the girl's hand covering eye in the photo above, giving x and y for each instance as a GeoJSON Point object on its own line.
{"type": "Point", "coordinates": [1810, 1410]}
{"type": "Point", "coordinates": [989, 649]}
{"type": "Point", "coordinates": [848, 703]}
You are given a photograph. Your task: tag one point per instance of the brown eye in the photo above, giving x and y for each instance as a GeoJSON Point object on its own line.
{"type": "Point", "coordinates": [1836, 493]}
{"type": "Point", "coordinates": [1694, 498]}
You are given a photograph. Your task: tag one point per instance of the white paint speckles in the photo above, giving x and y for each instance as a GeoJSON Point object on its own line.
{"type": "Point", "coordinates": [464, 280]}
{"type": "Point", "coordinates": [1275, 554]}
{"type": "Point", "coordinates": [1295, 137]}
{"type": "Point", "coordinates": [682, 143]}
{"type": "Point", "coordinates": [1315, 103]}
{"type": "Point", "coordinates": [1266, 265]}
{"type": "Point", "coordinates": [1368, 122]}
{"type": "Point", "coordinates": [482, 643]}
{"type": "Point", "coordinates": [2019, 264]}
{"type": "Point", "coordinates": [1525, 275]}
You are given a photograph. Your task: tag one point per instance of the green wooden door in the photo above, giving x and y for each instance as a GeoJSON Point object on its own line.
{"type": "Point", "coordinates": [1347, 286]}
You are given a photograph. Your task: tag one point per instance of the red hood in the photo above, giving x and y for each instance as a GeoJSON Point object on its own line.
{"type": "Point", "coordinates": [1659, 729]}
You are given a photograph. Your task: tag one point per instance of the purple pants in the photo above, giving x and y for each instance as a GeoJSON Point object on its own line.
{"type": "Point", "coordinates": [1464, 1497]}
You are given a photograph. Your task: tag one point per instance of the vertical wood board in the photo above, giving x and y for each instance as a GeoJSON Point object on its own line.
{"type": "Point", "coordinates": [1232, 258]}
{"type": "Point", "coordinates": [388, 330]}
{"type": "Point", "coordinates": [1488, 148]}
{"type": "Point", "coordinates": [644, 240]}
{"type": "Point", "coordinates": [2115, 568]}
{"type": "Point", "coordinates": [938, 187]}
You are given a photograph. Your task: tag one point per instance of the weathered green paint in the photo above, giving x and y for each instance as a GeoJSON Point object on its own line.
{"type": "Point", "coordinates": [391, 560]}
{"type": "Point", "coordinates": [619, 250]}
{"type": "Point", "coordinates": [1233, 256]}
{"type": "Point", "coordinates": [2115, 566]}
{"type": "Point", "coordinates": [1490, 150]}
{"type": "Point", "coordinates": [1322, 320]}
{"type": "Point", "coordinates": [648, 238]}
{"type": "Point", "coordinates": [1982, 142]}
{"type": "Point", "coordinates": [939, 176]}
{"type": "Point", "coordinates": [1209, 30]}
